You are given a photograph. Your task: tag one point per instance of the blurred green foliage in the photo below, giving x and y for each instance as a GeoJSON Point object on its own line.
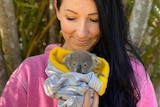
{"type": "Point", "coordinates": [32, 21]}
{"type": "Point", "coordinates": [150, 45]}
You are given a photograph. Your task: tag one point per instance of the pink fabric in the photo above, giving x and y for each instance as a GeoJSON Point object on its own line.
{"type": "Point", "coordinates": [25, 86]}
{"type": "Point", "coordinates": [148, 97]}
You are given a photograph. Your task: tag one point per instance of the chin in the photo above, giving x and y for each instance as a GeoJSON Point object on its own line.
{"type": "Point", "coordinates": [82, 48]}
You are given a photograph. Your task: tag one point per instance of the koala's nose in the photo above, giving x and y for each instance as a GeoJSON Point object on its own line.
{"type": "Point", "coordinates": [79, 68]}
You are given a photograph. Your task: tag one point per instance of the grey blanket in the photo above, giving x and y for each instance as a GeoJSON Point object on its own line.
{"type": "Point", "coordinates": [69, 88]}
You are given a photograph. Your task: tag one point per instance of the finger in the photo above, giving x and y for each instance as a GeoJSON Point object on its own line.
{"type": "Point", "coordinates": [86, 102]}
{"type": "Point", "coordinates": [96, 100]}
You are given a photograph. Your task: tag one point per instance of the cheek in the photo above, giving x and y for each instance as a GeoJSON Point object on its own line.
{"type": "Point", "coordinates": [94, 30]}
{"type": "Point", "coordinates": [66, 28]}
{"type": "Point", "coordinates": [96, 33]}
{"type": "Point", "coordinates": [97, 30]}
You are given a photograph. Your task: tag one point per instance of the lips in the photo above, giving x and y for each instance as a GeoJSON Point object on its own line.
{"type": "Point", "coordinates": [80, 41]}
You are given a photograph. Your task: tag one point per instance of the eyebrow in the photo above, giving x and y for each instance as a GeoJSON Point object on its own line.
{"type": "Point", "coordinates": [77, 13]}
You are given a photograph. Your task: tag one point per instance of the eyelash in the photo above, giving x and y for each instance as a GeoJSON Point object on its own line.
{"type": "Point", "coordinates": [71, 19]}
{"type": "Point", "coordinates": [96, 20]}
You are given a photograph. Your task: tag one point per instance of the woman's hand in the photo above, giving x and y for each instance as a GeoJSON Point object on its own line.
{"type": "Point", "coordinates": [87, 98]}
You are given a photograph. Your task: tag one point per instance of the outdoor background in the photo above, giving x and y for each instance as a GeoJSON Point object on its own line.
{"type": "Point", "coordinates": [27, 26]}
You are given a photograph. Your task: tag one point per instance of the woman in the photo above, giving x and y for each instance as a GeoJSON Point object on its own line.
{"type": "Point", "coordinates": [98, 26]}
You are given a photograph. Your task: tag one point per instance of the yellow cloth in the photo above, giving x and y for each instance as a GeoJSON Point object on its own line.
{"type": "Point", "coordinates": [56, 57]}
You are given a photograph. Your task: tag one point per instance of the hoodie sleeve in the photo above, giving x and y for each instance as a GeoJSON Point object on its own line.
{"type": "Point", "coordinates": [14, 94]}
{"type": "Point", "coordinates": [148, 97]}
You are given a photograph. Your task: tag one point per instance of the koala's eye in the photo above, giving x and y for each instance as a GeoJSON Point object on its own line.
{"type": "Point", "coordinates": [85, 64]}
{"type": "Point", "coordinates": [73, 63]}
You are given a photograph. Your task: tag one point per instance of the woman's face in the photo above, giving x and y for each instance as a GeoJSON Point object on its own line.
{"type": "Point", "coordinates": [79, 24]}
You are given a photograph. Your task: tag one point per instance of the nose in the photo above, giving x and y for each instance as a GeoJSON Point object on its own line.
{"type": "Point", "coordinates": [79, 68]}
{"type": "Point", "coordinates": [82, 29]}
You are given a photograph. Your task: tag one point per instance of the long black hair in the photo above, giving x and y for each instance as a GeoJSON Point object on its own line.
{"type": "Point", "coordinates": [115, 45]}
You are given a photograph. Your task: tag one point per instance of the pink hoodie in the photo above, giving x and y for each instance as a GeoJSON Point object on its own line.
{"type": "Point", "coordinates": [25, 86]}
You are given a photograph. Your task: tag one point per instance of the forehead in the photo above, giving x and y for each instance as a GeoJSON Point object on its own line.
{"type": "Point", "coordinates": [85, 6]}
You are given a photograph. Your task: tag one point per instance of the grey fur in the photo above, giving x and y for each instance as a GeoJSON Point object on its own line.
{"type": "Point", "coordinates": [81, 61]}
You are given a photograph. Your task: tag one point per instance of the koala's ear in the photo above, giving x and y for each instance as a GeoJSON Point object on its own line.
{"type": "Point", "coordinates": [66, 58]}
{"type": "Point", "coordinates": [96, 62]}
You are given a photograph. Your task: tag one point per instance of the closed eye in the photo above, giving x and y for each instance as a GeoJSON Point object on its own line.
{"type": "Point", "coordinates": [69, 18]}
{"type": "Point", "coordinates": [94, 20]}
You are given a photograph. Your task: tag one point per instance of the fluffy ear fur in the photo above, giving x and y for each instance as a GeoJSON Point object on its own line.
{"type": "Point", "coordinates": [95, 60]}
{"type": "Point", "coordinates": [65, 59]}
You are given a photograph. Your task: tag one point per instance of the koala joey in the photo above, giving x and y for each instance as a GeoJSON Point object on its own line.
{"type": "Point", "coordinates": [81, 61]}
